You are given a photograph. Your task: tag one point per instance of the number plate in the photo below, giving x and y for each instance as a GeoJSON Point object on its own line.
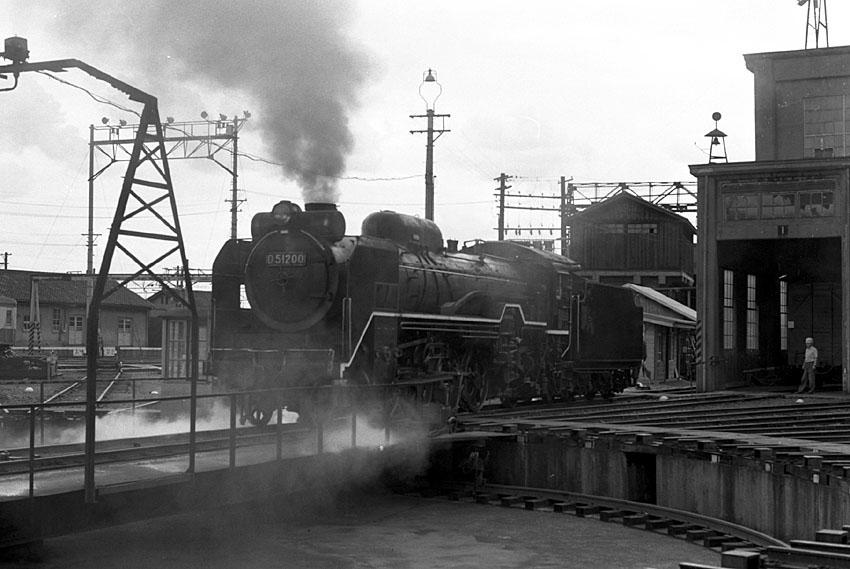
{"type": "Point", "coordinates": [286, 259]}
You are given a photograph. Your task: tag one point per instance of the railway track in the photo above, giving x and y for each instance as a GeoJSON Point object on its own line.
{"type": "Point", "coordinates": [743, 544]}
{"type": "Point", "coordinates": [711, 532]}
{"type": "Point", "coordinates": [820, 419]}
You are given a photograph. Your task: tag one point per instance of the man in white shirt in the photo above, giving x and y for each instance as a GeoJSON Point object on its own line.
{"type": "Point", "coordinates": [810, 362]}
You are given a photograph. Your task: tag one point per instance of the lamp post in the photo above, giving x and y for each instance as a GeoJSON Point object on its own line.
{"type": "Point", "coordinates": [430, 90]}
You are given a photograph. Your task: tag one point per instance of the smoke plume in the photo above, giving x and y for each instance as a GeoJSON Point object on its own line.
{"type": "Point", "coordinates": [292, 58]}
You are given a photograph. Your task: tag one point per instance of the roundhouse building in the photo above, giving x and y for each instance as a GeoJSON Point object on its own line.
{"type": "Point", "coordinates": [773, 256]}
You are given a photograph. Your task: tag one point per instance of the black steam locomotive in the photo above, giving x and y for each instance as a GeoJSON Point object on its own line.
{"type": "Point", "coordinates": [303, 305]}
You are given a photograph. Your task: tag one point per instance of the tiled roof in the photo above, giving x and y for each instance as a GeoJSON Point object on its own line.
{"type": "Point", "coordinates": [164, 301]}
{"type": "Point", "coordinates": [62, 288]}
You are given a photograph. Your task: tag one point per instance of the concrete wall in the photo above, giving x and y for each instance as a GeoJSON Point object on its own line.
{"type": "Point", "coordinates": [787, 506]}
{"type": "Point", "coordinates": [777, 497]}
{"type": "Point", "coordinates": [783, 80]}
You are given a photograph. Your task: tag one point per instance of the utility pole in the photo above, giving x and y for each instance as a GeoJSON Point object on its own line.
{"type": "Point", "coordinates": [234, 192]}
{"type": "Point", "coordinates": [566, 200]}
{"type": "Point", "coordinates": [6, 260]}
{"type": "Point", "coordinates": [503, 181]}
{"type": "Point", "coordinates": [430, 91]}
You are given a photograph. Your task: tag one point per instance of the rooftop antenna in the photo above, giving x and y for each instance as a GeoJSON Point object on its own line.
{"type": "Point", "coordinates": [816, 20]}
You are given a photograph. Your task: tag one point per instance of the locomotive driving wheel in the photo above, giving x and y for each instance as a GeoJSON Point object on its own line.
{"type": "Point", "coordinates": [473, 383]}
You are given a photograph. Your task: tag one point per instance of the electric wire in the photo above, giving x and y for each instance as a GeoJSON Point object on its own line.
{"type": "Point", "coordinates": [256, 158]}
{"type": "Point", "coordinates": [97, 98]}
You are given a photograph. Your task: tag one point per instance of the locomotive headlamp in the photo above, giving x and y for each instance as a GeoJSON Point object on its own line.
{"type": "Point", "coordinates": [282, 212]}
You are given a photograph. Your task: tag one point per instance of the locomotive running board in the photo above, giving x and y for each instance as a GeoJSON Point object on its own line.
{"type": "Point", "coordinates": [478, 321]}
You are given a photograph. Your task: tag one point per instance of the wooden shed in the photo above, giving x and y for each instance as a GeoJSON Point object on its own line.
{"type": "Point", "coordinates": [668, 334]}
{"type": "Point", "coordinates": [626, 239]}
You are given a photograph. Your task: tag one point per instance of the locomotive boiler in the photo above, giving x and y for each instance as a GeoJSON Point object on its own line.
{"type": "Point", "coordinates": [303, 305]}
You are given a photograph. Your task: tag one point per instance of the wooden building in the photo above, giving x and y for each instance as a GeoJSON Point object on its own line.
{"type": "Point", "coordinates": [62, 310]}
{"type": "Point", "coordinates": [773, 253]}
{"type": "Point", "coordinates": [668, 328]}
{"type": "Point", "coordinates": [171, 328]}
{"type": "Point", "coordinates": [626, 239]}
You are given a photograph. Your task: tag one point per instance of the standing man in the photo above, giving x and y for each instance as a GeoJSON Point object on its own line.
{"type": "Point", "coordinates": [810, 362]}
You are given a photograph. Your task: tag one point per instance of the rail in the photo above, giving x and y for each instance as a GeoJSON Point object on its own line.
{"type": "Point", "coordinates": [533, 497]}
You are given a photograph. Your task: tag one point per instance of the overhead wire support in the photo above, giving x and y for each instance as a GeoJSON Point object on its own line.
{"type": "Point", "coordinates": [148, 182]}
{"type": "Point", "coordinates": [205, 139]}
{"type": "Point", "coordinates": [574, 197]}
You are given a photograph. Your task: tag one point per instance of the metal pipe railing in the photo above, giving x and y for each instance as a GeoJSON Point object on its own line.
{"type": "Point", "coordinates": [39, 411]}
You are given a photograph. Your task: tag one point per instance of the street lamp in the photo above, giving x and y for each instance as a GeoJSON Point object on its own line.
{"type": "Point", "coordinates": [430, 90]}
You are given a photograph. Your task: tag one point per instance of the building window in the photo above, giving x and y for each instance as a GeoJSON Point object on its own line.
{"type": "Point", "coordinates": [783, 315]}
{"type": "Point", "coordinates": [775, 206]}
{"type": "Point", "coordinates": [741, 206]}
{"type": "Point", "coordinates": [646, 228]}
{"type": "Point", "coordinates": [125, 331]}
{"type": "Point", "coordinates": [176, 349]}
{"type": "Point", "coordinates": [728, 310]}
{"type": "Point", "coordinates": [752, 314]}
{"type": "Point", "coordinates": [816, 204]}
{"type": "Point", "coordinates": [8, 323]}
{"type": "Point", "coordinates": [825, 126]}
{"type": "Point", "coordinates": [779, 205]}
{"type": "Point", "coordinates": [615, 228]}
{"type": "Point", "coordinates": [57, 320]}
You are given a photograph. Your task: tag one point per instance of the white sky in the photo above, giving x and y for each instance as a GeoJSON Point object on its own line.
{"type": "Point", "coordinates": [609, 90]}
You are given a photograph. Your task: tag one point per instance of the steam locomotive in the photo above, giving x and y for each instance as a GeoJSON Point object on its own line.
{"type": "Point", "coordinates": [303, 305]}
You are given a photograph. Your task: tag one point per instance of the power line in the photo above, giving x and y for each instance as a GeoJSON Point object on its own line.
{"type": "Point", "coordinates": [256, 158]}
{"type": "Point", "coordinates": [97, 98]}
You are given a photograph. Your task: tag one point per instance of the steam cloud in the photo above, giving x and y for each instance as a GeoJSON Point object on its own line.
{"type": "Point", "coordinates": [291, 57]}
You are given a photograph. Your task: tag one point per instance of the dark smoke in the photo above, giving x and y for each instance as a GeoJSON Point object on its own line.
{"type": "Point", "coordinates": [291, 57]}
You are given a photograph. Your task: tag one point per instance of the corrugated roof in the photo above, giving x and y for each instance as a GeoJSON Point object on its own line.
{"type": "Point", "coordinates": [595, 208]}
{"type": "Point", "coordinates": [664, 300]}
{"type": "Point", "coordinates": [63, 288]}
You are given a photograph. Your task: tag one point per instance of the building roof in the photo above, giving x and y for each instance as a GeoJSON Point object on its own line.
{"type": "Point", "coordinates": [203, 298]}
{"type": "Point", "coordinates": [64, 289]}
{"type": "Point", "coordinates": [625, 195]}
{"type": "Point", "coordinates": [688, 314]}
{"type": "Point", "coordinates": [167, 306]}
